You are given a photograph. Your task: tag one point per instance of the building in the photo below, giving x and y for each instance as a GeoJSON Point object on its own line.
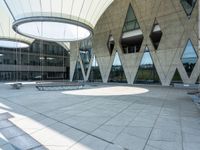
{"type": "Point", "coordinates": [129, 41]}
{"type": "Point", "coordinates": [41, 61]}
{"type": "Point", "coordinates": [154, 42]}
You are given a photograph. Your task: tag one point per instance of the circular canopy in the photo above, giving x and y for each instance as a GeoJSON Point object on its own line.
{"type": "Point", "coordinates": [51, 29]}
{"type": "Point", "coordinates": [8, 38]}
{"type": "Point", "coordinates": [57, 20]}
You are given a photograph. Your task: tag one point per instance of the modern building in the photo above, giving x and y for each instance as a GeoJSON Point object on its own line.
{"type": "Point", "coordinates": [148, 42]}
{"type": "Point", "coordinates": [41, 61]}
{"type": "Point", "coordinates": [123, 41]}
{"type": "Point", "coordinates": [125, 74]}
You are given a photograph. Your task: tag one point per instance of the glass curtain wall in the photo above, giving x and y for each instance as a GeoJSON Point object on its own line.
{"type": "Point", "coordinates": [30, 60]}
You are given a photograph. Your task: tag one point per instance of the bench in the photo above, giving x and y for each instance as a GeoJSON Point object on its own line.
{"type": "Point", "coordinates": [186, 86]}
{"type": "Point", "coordinates": [16, 85]}
{"type": "Point", "coordinates": [59, 86]}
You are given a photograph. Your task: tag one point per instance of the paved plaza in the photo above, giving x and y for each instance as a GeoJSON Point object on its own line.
{"type": "Point", "coordinates": [100, 118]}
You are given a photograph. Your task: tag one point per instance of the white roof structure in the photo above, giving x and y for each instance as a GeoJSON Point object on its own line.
{"type": "Point", "coordinates": [56, 20]}
{"type": "Point", "coordinates": [8, 37]}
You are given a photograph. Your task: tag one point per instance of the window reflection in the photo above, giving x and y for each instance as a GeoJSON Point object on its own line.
{"type": "Point", "coordinates": [78, 72]}
{"type": "Point", "coordinates": [176, 78]}
{"type": "Point", "coordinates": [86, 53]}
{"type": "Point", "coordinates": [147, 73]}
{"type": "Point", "coordinates": [132, 37]}
{"type": "Point", "coordinates": [30, 60]}
{"type": "Point", "coordinates": [117, 72]}
{"type": "Point", "coordinates": [95, 74]}
{"type": "Point", "coordinates": [188, 6]}
{"type": "Point", "coordinates": [189, 58]}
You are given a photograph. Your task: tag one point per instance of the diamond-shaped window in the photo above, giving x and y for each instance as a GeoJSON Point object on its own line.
{"type": "Point", "coordinates": [110, 44]}
{"type": "Point", "coordinates": [132, 36]}
{"type": "Point", "coordinates": [188, 6]}
{"type": "Point", "coordinates": [156, 34]}
{"type": "Point", "coordinates": [189, 58]}
{"type": "Point", "coordinates": [147, 73]}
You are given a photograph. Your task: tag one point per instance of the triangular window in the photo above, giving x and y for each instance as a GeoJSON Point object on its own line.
{"type": "Point", "coordinates": [198, 80]}
{"type": "Point", "coordinates": [132, 36]}
{"type": "Point", "coordinates": [188, 6]}
{"type": "Point", "coordinates": [78, 72]}
{"type": "Point", "coordinates": [176, 78]}
{"type": "Point", "coordinates": [85, 53]}
{"type": "Point", "coordinates": [117, 72]}
{"type": "Point", "coordinates": [95, 74]}
{"type": "Point", "coordinates": [147, 73]}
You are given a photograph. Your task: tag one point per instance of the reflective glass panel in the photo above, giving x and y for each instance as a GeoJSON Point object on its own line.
{"type": "Point", "coordinates": [176, 78]}
{"type": "Point", "coordinates": [86, 53]}
{"type": "Point", "coordinates": [132, 36]}
{"type": "Point", "coordinates": [131, 22]}
{"type": "Point", "coordinates": [78, 72]}
{"type": "Point", "coordinates": [189, 57]}
{"type": "Point", "coordinates": [188, 6]}
{"type": "Point", "coordinates": [117, 72]}
{"type": "Point", "coordinates": [147, 73]}
{"type": "Point", "coordinates": [95, 74]}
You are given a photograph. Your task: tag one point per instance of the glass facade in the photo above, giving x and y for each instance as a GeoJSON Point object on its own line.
{"type": "Point", "coordinates": [95, 74]}
{"type": "Point", "coordinates": [189, 58]}
{"type": "Point", "coordinates": [78, 72]}
{"type": "Point", "coordinates": [176, 78]}
{"type": "Point", "coordinates": [31, 63]}
{"type": "Point", "coordinates": [86, 53]}
{"type": "Point", "coordinates": [117, 72]}
{"type": "Point", "coordinates": [188, 6]}
{"type": "Point", "coordinates": [147, 73]}
{"type": "Point", "coordinates": [156, 35]}
{"type": "Point", "coordinates": [132, 37]}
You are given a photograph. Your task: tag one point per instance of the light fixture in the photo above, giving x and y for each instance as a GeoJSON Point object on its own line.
{"type": "Point", "coordinates": [1, 55]}
{"type": "Point", "coordinates": [56, 20]}
{"type": "Point", "coordinates": [8, 38]}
